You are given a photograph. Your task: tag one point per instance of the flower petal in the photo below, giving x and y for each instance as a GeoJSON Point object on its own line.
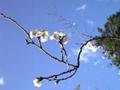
{"type": "Point", "coordinates": [59, 37]}
{"type": "Point", "coordinates": [37, 83]}
{"type": "Point", "coordinates": [32, 34]}
{"type": "Point", "coordinates": [42, 34]}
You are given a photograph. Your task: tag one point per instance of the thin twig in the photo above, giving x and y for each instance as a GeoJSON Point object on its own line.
{"type": "Point", "coordinates": [73, 69]}
{"type": "Point", "coordinates": [27, 33]}
{"type": "Point", "coordinates": [15, 22]}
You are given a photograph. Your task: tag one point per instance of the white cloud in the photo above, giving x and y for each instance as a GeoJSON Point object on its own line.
{"type": "Point", "coordinates": [91, 47]}
{"type": "Point", "coordinates": [87, 52]}
{"type": "Point", "coordinates": [116, 1]}
{"type": "Point", "coordinates": [75, 51]}
{"type": "Point", "coordinates": [99, 0]}
{"type": "Point", "coordinates": [69, 34]}
{"type": "Point", "coordinates": [83, 56]}
{"type": "Point", "coordinates": [83, 7]}
{"type": "Point", "coordinates": [96, 63]}
{"type": "Point", "coordinates": [103, 57]}
{"type": "Point", "coordinates": [108, 0]}
{"type": "Point", "coordinates": [118, 72]}
{"type": "Point", "coordinates": [90, 22]}
{"type": "Point", "coordinates": [74, 23]}
{"type": "Point", "coordinates": [2, 82]}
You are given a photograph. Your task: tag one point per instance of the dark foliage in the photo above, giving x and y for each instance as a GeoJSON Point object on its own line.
{"type": "Point", "coordinates": [111, 46]}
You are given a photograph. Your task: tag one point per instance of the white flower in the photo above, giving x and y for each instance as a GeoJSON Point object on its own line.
{"type": "Point", "coordinates": [37, 83]}
{"type": "Point", "coordinates": [59, 37]}
{"type": "Point", "coordinates": [42, 34]}
{"type": "Point", "coordinates": [33, 34]}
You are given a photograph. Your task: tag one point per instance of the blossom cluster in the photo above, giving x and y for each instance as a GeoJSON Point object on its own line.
{"type": "Point", "coordinates": [43, 35]}
{"type": "Point", "coordinates": [37, 83]}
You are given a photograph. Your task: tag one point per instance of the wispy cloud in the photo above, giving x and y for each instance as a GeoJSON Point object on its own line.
{"type": "Point", "coordinates": [82, 7]}
{"type": "Point", "coordinates": [87, 52]}
{"type": "Point", "coordinates": [75, 51]}
{"type": "Point", "coordinates": [100, 0]}
{"type": "Point", "coordinates": [116, 0]}
{"type": "Point", "coordinates": [103, 57]}
{"type": "Point", "coordinates": [83, 56]}
{"type": "Point", "coordinates": [118, 72]}
{"type": "Point", "coordinates": [2, 82]}
{"type": "Point", "coordinates": [91, 47]}
{"type": "Point", "coordinates": [108, 0]}
{"type": "Point", "coordinates": [90, 22]}
{"type": "Point", "coordinates": [96, 63]}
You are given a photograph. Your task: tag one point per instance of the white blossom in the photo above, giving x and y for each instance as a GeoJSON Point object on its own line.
{"type": "Point", "coordinates": [42, 34]}
{"type": "Point", "coordinates": [37, 83]}
{"type": "Point", "coordinates": [33, 34]}
{"type": "Point", "coordinates": [59, 37]}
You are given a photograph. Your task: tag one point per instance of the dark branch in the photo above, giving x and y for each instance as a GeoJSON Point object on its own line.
{"type": "Point", "coordinates": [73, 68]}
{"type": "Point", "coordinates": [15, 22]}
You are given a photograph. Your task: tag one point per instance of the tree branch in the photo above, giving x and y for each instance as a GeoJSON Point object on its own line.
{"type": "Point", "coordinates": [73, 69]}
{"type": "Point", "coordinates": [15, 22]}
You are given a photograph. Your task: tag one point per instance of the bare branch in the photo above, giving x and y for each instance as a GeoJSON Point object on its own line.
{"type": "Point", "coordinates": [73, 68]}
{"type": "Point", "coordinates": [15, 22]}
{"type": "Point", "coordinates": [56, 78]}
{"type": "Point", "coordinates": [63, 51]}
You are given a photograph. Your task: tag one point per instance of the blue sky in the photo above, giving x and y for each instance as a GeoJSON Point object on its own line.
{"type": "Point", "coordinates": [20, 64]}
